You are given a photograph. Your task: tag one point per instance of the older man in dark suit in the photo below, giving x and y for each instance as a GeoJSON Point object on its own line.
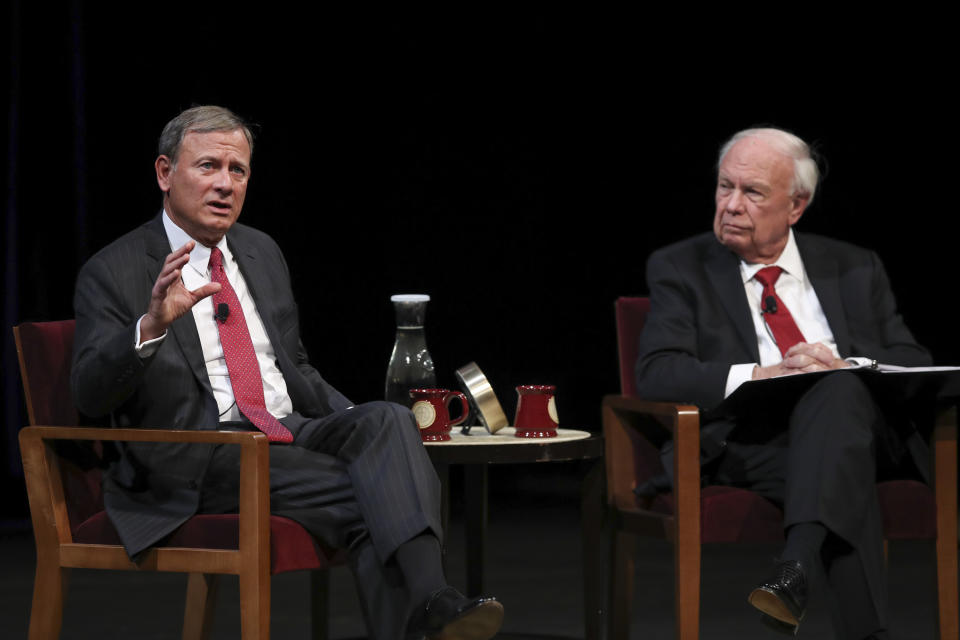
{"type": "Point", "coordinates": [755, 300]}
{"type": "Point", "coordinates": [189, 321]}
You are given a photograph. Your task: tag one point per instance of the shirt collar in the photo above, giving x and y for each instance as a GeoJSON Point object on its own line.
{"type": "Point", "coordinates": [200, 256]}
{"type": "Point", "coordinates": [789, 261]}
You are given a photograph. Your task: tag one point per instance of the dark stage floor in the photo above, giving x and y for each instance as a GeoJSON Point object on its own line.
{"type": "Point", "coordinates": [533, 566]}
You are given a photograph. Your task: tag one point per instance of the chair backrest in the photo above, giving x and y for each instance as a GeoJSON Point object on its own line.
{"type": "Point", "coordinates": [45, 351]}
{"type": "Point", "coordinates": [631, 316]}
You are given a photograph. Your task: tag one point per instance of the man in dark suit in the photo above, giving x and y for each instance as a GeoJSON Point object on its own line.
{"type": "Point", "coordinates": [189, 322]}
{"type": "Point", "coordinates": [755, 300]}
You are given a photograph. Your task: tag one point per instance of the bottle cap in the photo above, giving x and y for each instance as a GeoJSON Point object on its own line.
{"type": "Point", "coordinates": [410, 297]}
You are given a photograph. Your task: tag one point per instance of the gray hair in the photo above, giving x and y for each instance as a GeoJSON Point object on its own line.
{"type": "Point", "coordinates": [805, 171]}
{"type": "Point", "coordinates": [203, 119]}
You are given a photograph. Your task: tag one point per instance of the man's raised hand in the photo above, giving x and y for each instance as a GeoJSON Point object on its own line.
{"type": "Point", "coordinates": [169, 299]}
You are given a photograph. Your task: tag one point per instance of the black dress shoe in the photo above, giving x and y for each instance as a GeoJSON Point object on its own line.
{"type": "Point", "coordinates": [449, 615]}
{"type": "Point", "coordinates": [783, 598]}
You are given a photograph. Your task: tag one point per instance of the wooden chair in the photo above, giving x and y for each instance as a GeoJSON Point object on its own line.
{"type": "Point", "coordinates": [688, 516]}
{"type": "Point", "coordinates": [72, 530]}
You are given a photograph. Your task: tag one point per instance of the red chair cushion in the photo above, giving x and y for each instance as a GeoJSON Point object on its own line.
{"type": "Point", "coordinates": [728, 514]}
{"type": "Point", "coordinates": [291, 547]}
{"type": "Point", "coordinates": [909, 510]}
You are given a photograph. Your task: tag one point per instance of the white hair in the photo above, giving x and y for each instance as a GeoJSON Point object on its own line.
{"type": "Point", "coordinates": [805, 171]}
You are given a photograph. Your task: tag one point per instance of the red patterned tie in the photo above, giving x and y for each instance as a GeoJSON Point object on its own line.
{"type": "Point", "coordinates": [781, 323]}
{"type": "Point", "coordinates": [241, 357]}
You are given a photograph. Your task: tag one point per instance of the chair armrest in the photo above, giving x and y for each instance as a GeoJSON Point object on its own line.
{"type": "Point", "coordinates": [625, 420]}
{"type": "Point", "coordinates": [45, 488]}
{"type": "Point", "coordinates": [142, 435]}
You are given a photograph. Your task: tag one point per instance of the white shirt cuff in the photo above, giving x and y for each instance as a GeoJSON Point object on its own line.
{"type": "Point", "coordinates": [148, 348]}
{"type": "Point", "coordinates": [739, 373]}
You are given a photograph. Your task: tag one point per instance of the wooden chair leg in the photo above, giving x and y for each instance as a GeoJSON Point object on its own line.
{"type": "Point", "coordinates": [687, 588]}
{"type": "Point", "coordinates": [198, 610]}
{"type": "Point", "coordinates": [621, 584]}
{"type": "Point", "coordinates": [255, 605]}
{"type": "Point", "coordinates": [49, 593]}
{"type": "Point", "coordinates": [945, 490]}
{"type": "Point", "coordinates": [947, 592]}
{"type": "Point", "coordinates": [319, 604]}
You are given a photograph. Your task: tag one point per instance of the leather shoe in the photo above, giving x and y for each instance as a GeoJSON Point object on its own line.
{"type": "Point", "coordinates": [783, 598]}
{"type": "Point", "coordinates": [449, 615]}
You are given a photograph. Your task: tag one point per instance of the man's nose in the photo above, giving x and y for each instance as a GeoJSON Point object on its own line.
{"type": "Point", "coordinates": [735, 202]}
{"type": "Point", "coordinates": [222, 181]}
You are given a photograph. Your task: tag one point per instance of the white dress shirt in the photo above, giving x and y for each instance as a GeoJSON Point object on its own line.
{"type": "Point", "coordinates": [195, 274]}
{"type": "Point", "coordinates": [796, 292]}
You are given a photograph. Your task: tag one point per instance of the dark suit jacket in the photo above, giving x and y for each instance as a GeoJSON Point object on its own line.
{"type": "Point", "coordinates": [153, 489]}
{"type": "Point", "coordinates": [699, 322]}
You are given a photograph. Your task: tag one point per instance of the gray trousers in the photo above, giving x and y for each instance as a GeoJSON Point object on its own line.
{"type": "Point", "coordinates": [359, 479]}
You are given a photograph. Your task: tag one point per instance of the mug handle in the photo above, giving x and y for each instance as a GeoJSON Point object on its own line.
{"type": "Point", "coordinates": [463, 400]}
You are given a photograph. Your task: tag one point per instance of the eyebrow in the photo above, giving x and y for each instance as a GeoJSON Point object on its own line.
{"type": "Point", "coordinates": [216, 158]}
{"type": "Point", "coordinates": [746, 184]}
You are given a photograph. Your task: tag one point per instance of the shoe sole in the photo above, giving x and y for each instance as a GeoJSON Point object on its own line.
{"type": "Point", "coordinates": [778, 625]}
{"type": "Point", "coordinates": [480, 623]}
{"type": "Point", "coordinates": [768, 602]}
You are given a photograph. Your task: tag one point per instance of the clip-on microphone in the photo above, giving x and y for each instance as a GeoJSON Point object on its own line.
{"type": "Point", "coordinates": [769, 305]}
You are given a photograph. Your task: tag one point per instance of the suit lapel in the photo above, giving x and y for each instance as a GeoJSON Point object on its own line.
{"type": "Point", "coordinates": [824, 274]}
{"type": "Point", "coordinates": [253, 268]}
{"type": "Point", "coordinates": [184, 330]}
{"type": "Point", "coordinates": [723, 269]}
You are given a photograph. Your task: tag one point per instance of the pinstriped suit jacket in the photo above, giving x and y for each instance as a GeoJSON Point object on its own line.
{"type": "Point", "coordinates": [154, 488]}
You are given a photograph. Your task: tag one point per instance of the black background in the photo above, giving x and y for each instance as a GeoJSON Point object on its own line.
{"type": "Point", "coordinates": [518, 166]}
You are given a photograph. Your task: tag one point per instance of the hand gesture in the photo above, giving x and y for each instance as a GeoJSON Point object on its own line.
{"type": "Point", "coordinates": [169, 299]}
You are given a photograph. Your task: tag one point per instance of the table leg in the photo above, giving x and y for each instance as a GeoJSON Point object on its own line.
{"type": "Point", "coordinates": [443, 473]}
{"type": "Point", "coordinates": [475, 508]}
{"type": "Point", "coordinates": [595, 557]}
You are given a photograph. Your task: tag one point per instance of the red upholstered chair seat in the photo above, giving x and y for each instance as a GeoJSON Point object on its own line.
{"type": "Point", "coordinates": [909, 510]}
{"type": "Point", "coordinates": [291, 547]}
{"type": "Point", "coordinates": [728, 514]}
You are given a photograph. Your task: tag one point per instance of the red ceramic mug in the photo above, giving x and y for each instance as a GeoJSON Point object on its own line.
{"type": "Point", "coordinates": [536, 411]}
{"type": "Point", "coordinates": [431, 408]}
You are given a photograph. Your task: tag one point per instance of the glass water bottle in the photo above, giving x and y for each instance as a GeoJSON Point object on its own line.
{"type": "Point", "coordinates": [410, 365]}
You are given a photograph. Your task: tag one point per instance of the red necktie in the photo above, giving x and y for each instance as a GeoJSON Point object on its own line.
{"type": "Point", "coordinates": [785, 331]}
{"type": "Point", "coordinates": [241, 357]}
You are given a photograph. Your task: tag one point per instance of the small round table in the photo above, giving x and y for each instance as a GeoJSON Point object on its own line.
{"type": "Point", "coordinates": [480, 449]}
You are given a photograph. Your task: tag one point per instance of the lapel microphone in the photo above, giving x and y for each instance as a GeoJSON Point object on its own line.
{"type": "Point", "coordinates": [223, 311]}
{"type": "Point", "coordinates": [769, 305]}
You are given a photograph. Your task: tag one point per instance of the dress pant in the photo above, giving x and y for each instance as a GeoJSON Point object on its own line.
{"type": "Point", "coordinates": [358, 479]}
{"type": "Point", "coordinates": [819, 459]}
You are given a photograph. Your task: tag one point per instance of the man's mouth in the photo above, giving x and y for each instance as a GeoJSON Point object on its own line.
{"type": "Point", "coordinates": [219, 206]}
{"type": "Point", "coordinates": [732, 227]}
